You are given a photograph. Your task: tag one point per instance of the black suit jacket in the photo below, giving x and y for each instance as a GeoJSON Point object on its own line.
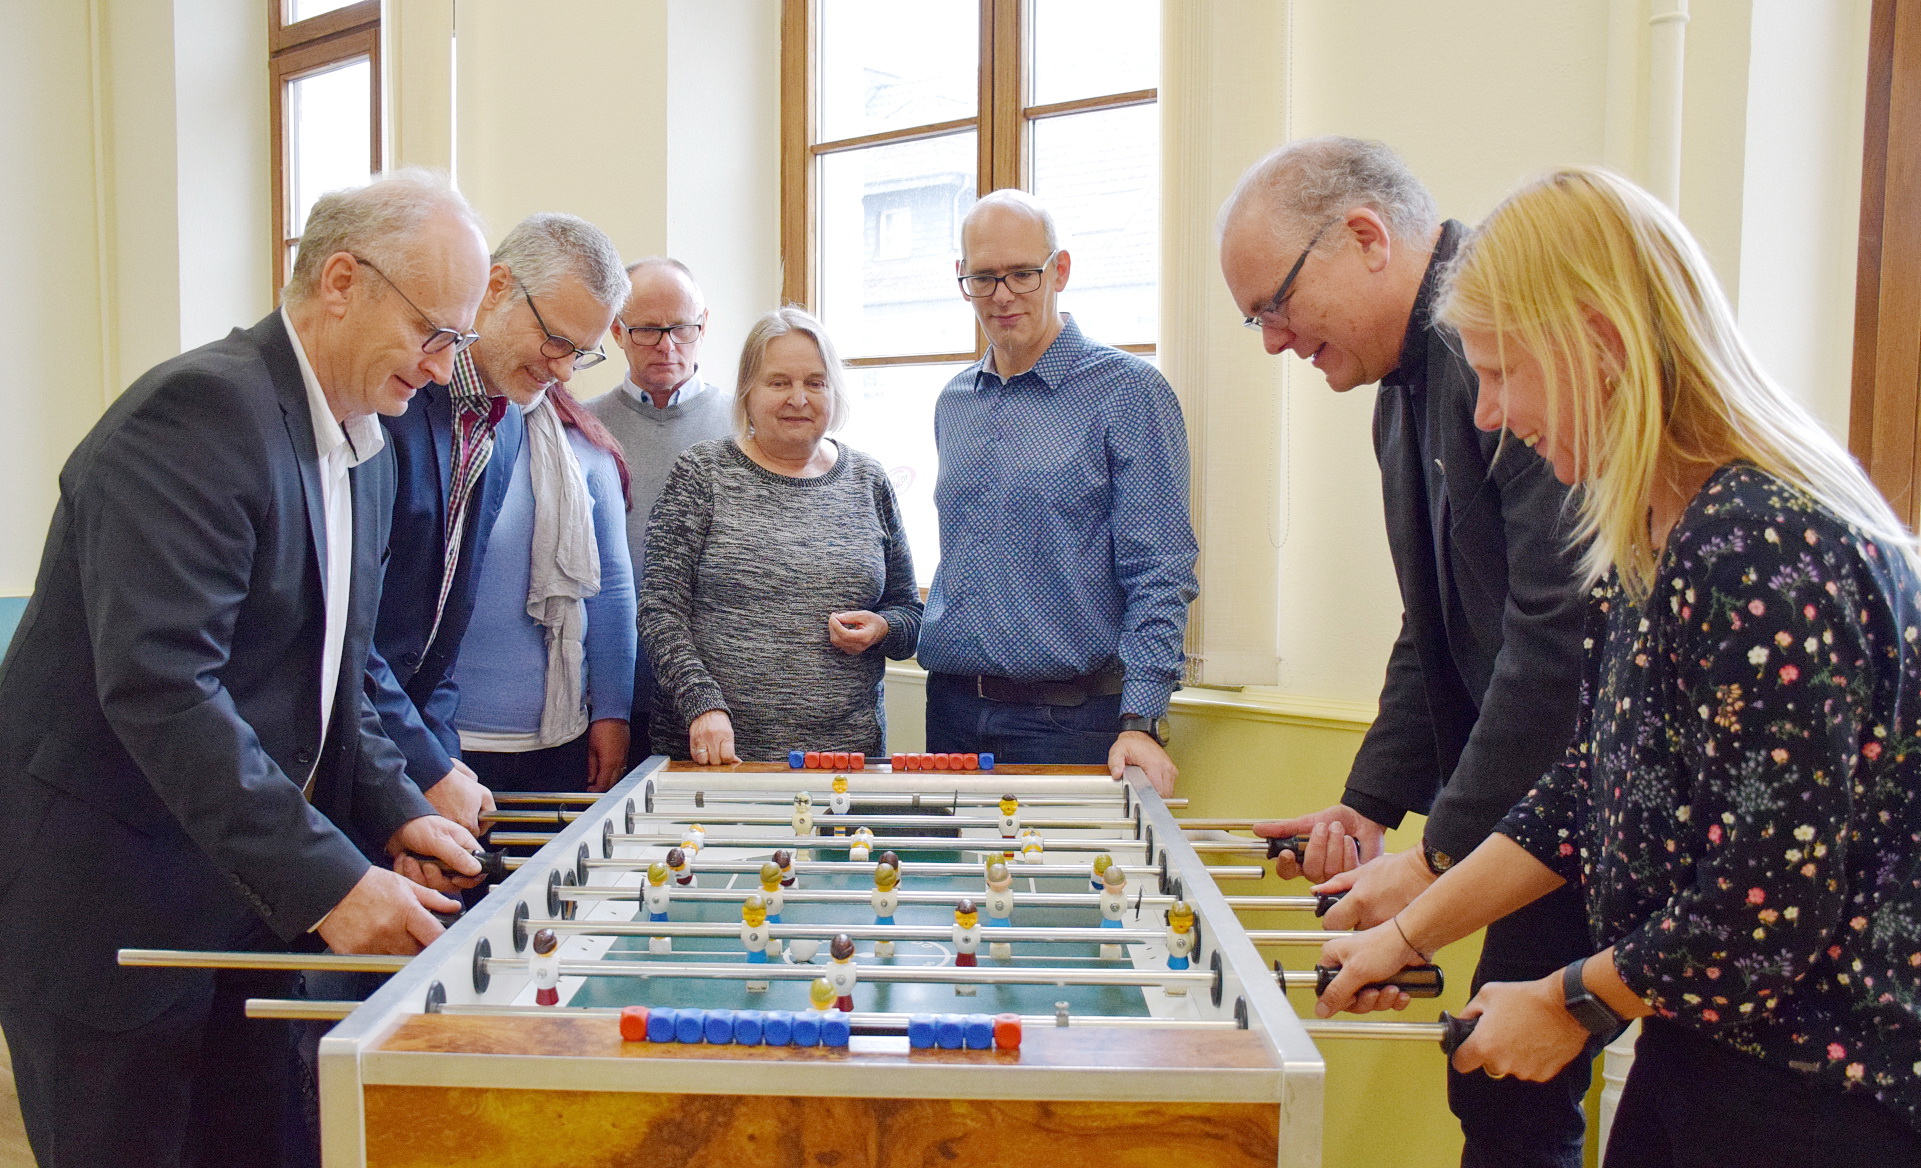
{"type": "Point", "coordinates": [1484, 680]}
{"type": "Point", "coordinates": [160, 702]}
{"type": "Point", "coordinates": [411, 682]}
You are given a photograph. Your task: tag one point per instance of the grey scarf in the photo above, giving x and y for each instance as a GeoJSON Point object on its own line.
{"type": "Point", "coordinates": [563, 571]}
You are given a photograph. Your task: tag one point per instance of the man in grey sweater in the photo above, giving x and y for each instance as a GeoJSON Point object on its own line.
{"type": "Point", "coordinates": [661, 409]}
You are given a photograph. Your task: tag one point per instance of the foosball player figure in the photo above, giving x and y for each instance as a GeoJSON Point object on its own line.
{"type": "Point", "coordinates": [862, 845]}
{"type": "Point", "coordinates": [886, 900]}
{"type": "Point", "coordinates": [754, 936]}
{"type": "Point", "coordinates": [967, 939]}
{"type": "Point", "coordinates": [1031, 846]}
{"type": "Point", "coordinates": [843, 973]}
{"type": "Point", "coordinates": [545, 966]}
{"type": "Point", "coordinates": [1180, 934]}
{"type": "Point", "coordinates": [784, 860]}
{"type": "Point", "coordinates": [678, 865]}
{"type": "Point", "coordinates": [657, 896]}
{"type": "Point", "coordinates": [694, 840]}
{"type": "Point", "coordinates": [1000, 906]}
{"type": "Point", "coordinates": [840, 802]}
{"type": "Point", "coordinates": [770, 892]}
{"type": "Point", "coordinates": [1113, 903]}
{"type": "Point", "coordinates": [1010, 817]}
{"type": "Point", "coordinates": [803, 813]}
{"type": "Point", "coordinates": [1101, 863]}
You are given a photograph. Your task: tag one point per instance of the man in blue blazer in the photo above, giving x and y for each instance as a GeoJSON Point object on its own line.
{"type": "Point", "coordinates": [454, 451]}
{"type": "Point", "coordinates": [188, 758]}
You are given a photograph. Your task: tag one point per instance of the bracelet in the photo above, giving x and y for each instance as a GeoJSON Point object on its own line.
{"type": "Point", "coordinates": [1395, 920]}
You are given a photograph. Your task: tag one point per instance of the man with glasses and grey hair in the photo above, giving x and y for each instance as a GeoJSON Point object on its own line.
{"type": "Point", "coordinates": [1054, 626]}
{"type": "Point", "coordinates": [662, 408]}
{"type": "Point", "coordinates": [188, 758]}
{"type": "Point", "coordinates": [1335, 252]}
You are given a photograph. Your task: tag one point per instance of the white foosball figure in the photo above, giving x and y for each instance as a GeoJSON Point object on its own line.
{"type": "Point", "coordinates": [840, 802]}
{"type": "Point", "coordinates": [1010, 817]}
{"type": "Point", "coordinates": [803, 814]}
{"type": "Point", "coordinates": [967, 940]}
{"type": "Point", "coordinates": [693, 840]}
{"type": "Point", "coordinates": [545, 967]}
{"type": "Point", "coordinates": [657, 896]}
{"type": "Point", "coordinates": [999, 903]}
{"type": "Point", "coordinates": [754, 936]}
{"type": "Point", "coordinates": [843, 973]}
{"type": "Point", "coordinates": [771, 894]}
{"type": "Point", "coordinates": [862, 845]}
{"type": "Point", "coordinates": [1180, 940]}
{"type": "Point", "coordinates": [1101, 863]}
{"type": "Point", "coordinates": [677, 863]}
{"type": "Point", "coordinates": [1113, 904]}
{"type": "Point", "coordinates": [886, 899]}
{"type": "Point", "coordinates": [1032, 848]}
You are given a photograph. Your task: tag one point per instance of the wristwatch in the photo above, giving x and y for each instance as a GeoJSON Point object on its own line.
{"type": "Point", "coordinates": [1155, 728]}
{"type": "Point", "coordinates": [1594, 1015]}
{"type": "Point", "coordinates": [1438, 861]}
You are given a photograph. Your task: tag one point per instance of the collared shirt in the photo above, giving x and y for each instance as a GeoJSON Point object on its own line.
{"type": "Point", "coordinates": [685, 392]}
{"type": "Point", "coordinates": [475, 414]}
{"type": "Point", "coordinates": [1066, 547]}
{"type": "Point", "coordinates": [340, 449]}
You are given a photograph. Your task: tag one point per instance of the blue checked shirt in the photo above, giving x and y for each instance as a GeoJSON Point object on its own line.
{"type": "Point", "coordinates": [1064, 535]}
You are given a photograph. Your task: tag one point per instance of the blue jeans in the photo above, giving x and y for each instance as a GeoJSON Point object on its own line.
{"type": "Point", "coordinates": [959, 720]}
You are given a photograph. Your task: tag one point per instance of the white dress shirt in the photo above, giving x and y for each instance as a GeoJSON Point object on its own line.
{"type": "Point", "coordinates": [340, 449]}
{"type": "Point", "coordinates": [686, 391]}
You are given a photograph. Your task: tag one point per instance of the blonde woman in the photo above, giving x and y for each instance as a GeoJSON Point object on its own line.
{"type": "Point", "coordinates": [778, 574]}
{"type": "Point", "coordinates": [1740, 806]}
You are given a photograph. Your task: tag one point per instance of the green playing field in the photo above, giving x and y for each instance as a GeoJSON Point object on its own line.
{"type": "Point", "coordinates": [905, 998]}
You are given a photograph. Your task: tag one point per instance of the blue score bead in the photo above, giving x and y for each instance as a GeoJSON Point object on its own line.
{"type": "Point", "coordinates": [835, 1030]}
{"type": "Point", "coordinates": [796, 759]}
{"type": "Point", "coordinates": [807, 1028]}
{"type": "Point", "coordinates": [748, 1027]}
{"type": "Point", "coordinates": [978, 1031]}
{"type": "Point", "coordinates": [691, 1027]}
{"type": "Point", "coordinates": [661, 1024]}
{"type": "Point", "coordinates": [720, 1027]}
{"type": "Point", "coordinates": [987, 762]}
{"type": "Point", "coordinates": [920, 1031]}
{"type": "Point", "coordinates": [948, 1032]}
{"type": "Point", "coordinates": [777, 1028]}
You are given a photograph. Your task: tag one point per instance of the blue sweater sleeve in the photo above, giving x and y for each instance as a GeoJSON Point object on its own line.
{"type": "Point", "coordinates": [611, 627]}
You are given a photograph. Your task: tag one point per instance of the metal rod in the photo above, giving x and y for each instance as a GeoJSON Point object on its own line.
{"type": "Point", "coordinates": [1064, 936]}
{"type": "Point", "coordinates": [1203, 824]}
{"type": "Point", "coordinates": [300, 1009]}
{"type": "Point", "coordinates": [554, 817]}
{"type": "Point", "coordinates": [898, 843]}
{"type": "Point", "coordinates": [1338, 1028]}
{"type": "Point", "coordinates": [911, 868]}
{"type": "Point", "coordinates": [1274, 903]}
{"type": "Point", "coordinates": [564, 797]}
{"type": "Point", "coordinates": [925, 974]}
{"type": "Point", "coordinates": [857, 896]}
{"type": "Point", "coordinates": [217, 959]}
{"type": "Point", "coordinates": [855, 819]}
{"type": "Point", "coordinates": [1294, 936]}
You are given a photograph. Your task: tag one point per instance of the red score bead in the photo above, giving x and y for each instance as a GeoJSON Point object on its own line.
{"type": "Point", "coordinates": [1007, 1031]}
{"type": "Point", "coordinates": [940, 762]}
{"type": "Point", "coordinates": [633, 1024]}
{"type": "Point", "coordinates": [812, 760]}
{"type": "Point", "coordinates": [840, 760]}
{"type": "Point", "coordinates": [972, 762]}
{"type": "Point", "coordinates": [857, 761]}
{"type": "Point", "coordinates": [900, 762]}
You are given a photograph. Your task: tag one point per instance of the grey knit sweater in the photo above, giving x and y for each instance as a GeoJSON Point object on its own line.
{"type": "Point", "coordinates": [743, 566]}
{"type": "Point", "coordinates": [652, 439]}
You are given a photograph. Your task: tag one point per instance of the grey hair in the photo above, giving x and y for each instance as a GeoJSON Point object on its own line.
{"type": "Point", "coordinates": [1312, 181]}
{"type": "Point", "coordinates": [788, 318]}
{"type": "Point", "coordinates": [1020, 201]}
{"type": "Point", "coordinates": [374, 222]}
{"type": "Point", "coordinates": [547, 247]}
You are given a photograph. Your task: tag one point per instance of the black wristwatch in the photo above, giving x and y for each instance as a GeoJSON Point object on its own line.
{"type": "Point", "coordinates": [1155, 728]}
{"type": "Point", "coordinates": [1594, 1015]}
{"type": "Point", "coordinates": [1437, 861]}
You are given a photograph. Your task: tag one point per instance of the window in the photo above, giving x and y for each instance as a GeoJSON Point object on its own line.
{"type": "Point", "coordinates": [324, 67]}
{"type": "Point", "coordinates": [895, 118]}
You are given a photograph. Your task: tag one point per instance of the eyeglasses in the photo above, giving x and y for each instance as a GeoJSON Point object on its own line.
{"type": "Point", "coordinates": [1272, 316]}
{"type": "Point", "coordinates": [648, 336]}
{"type": "Point", "coordinates": [1021, 280]}
{"type": "Point", "coordinates": [556, 346]}
{"type": "Point", "coordinates": [438, 337]}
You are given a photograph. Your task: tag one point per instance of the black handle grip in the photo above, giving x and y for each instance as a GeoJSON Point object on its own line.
{"type": "Point", "coordinates": [1291, 843]}
{"type": "Point", "coordinates": [1454, 1032]}
{"type": "Point", "coordinates": [1326, 900]}
{"type": "Point", "coordinates": [1419, 981]}
{"type": "Point", "coordinates": [493, 865]}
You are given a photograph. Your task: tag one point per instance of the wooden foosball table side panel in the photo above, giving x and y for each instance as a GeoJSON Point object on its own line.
{"type": "Point", "coordinates": [484, 1127]}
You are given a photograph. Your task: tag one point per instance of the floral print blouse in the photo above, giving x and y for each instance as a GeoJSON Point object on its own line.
{"type": "Point", "coordinates": [1742, 799]}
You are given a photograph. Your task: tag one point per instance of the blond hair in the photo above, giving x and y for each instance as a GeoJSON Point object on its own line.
{"type": "Point", "coordinates": [1584, 242]}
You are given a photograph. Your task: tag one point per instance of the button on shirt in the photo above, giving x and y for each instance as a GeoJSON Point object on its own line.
{"type": "Point", "coordinates": [340, 450]}
{"type": "Point", "coordinates": [1066, 547]}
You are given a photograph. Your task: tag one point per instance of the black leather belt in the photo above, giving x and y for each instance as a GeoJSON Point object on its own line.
{"type": "Point", "coordinates": [1071, 692]}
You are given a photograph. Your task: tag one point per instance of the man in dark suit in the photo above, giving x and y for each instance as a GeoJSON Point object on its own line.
{"type": "Point", "coordinates": [187, 756]}
{"type": "Point", "coordinates": [1335, 253]}
{"type": "Point", "coordinates": [454, 452]}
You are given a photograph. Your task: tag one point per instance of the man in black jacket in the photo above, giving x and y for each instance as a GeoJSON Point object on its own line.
{"type": "Point", "coordinates": [1335, 253]}
{"type": "Point", "coordinates": [188, 757]}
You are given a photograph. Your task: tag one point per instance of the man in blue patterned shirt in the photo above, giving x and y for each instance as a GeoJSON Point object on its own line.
{"type": "Point", "coordinates": [1055, 623]}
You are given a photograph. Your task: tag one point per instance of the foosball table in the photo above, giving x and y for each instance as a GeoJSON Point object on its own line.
{"type": "Point", "coordinates": [891, 965]}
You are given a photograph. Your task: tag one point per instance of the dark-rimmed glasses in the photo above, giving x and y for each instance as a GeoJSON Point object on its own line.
{"type": "Point", "coordinates": [439, 338]}
{"type": "Point", "coordinates": [647, 336]}
{"type": "Point", "coordinates": [980, 285]}
{"type": "Point", "coordinates": [556, 346]}
{"type": "Point", "coordinates": [1272, 316]}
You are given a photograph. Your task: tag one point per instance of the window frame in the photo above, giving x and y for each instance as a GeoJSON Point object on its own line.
{"type": "Point", "coordinates": [1002, 122]}
{"type": "Point", "coordinates": [300, 49]}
